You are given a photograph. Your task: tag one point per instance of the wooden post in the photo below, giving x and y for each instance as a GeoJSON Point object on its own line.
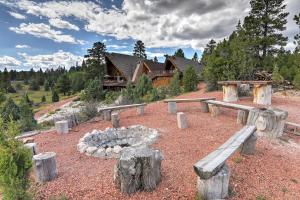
{"type": "Point", "coordinates": [172, 107]}
{"type": "Point", "coordinates": [181, 120]}
{"type": "Point", "coordinates": [45, 166]}
{"type": "Point", "coordinates": [248, 147]}
{"type": "Point", "coordinates": [107, 115]}
{"type": "Point", "coordinates": [115, 119]}
{"type": "Point", "coordinates": [230, 93]}
{"type": "Point", "coordinates": [204, 107]}
{"type": "Point", "coordinates": [262, 94]}
{"type": "Point", "coordinates": [242, 117]}
{"type": "Point", "coordinates": [140, 110]}
{"type": "Point", "coordinates": [138, 169]}
{"type": "Point", "coordinates": [214, 110]}
{"type": "Point", "coordinates": [62, 127]}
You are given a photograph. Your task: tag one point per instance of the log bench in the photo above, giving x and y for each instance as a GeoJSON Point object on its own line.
{"type": "Point", "coordinates": [172, 103]}
{"type": "Point", "coordinates": [213, 173]}
{"type": "Point", "coordinates": [243, 110]}
{"type": "Point", "coordinates": [107, 110]}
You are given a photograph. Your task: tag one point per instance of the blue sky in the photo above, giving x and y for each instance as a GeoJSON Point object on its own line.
{"type": "Point", "coordinates": [51, 33]}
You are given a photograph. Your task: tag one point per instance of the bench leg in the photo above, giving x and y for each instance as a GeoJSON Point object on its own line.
{"type": "Point", "coordinates": [214, 110]}
{"type": "Point", "coordinates": [248, 148]}
{"type": "Point", "coordinates": [140, 110]}
{"type": "Point", "coordinates": [242, 117]}
{"type": "Point", "coordinates": [204, 107]}
{"type": "Point", "coordinates": [181, 120]}
{"type": "Point", "coordinates": [172, 107]}
{"type": "Point", "coordinates": [216, 187]}
{"type": "Point", "coordinates": [107, 115]}
{"type": "Point", "coordinates": [115, 120]}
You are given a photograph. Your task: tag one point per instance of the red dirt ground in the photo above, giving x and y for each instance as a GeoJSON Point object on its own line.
{"type": "Point", "coordinates": [273, 172]}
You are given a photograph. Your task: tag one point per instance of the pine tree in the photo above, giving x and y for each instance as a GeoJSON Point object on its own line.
{"type": "Point", "coordinates": [43, 99]}
{"type": "Point", "coordinates": [297, 37]}
{"type": "Point", "coordinates": [190, 79]}
{"type": "Point", "coordinates": [265, 24]}
{"type": "Point", "coordinates": [10, 110]}
{"type": "Point", "coordinates": [93, 91]}
{"type": "Point", "coordinates": [27, 121]}
{"type": "Point", "coordinates": [174, 86]}
{"type": "Point", "coordinates": [139, 49]}
{"type": "Point", "coordinates": [155, 59]}
{"type": "Point", "coordinates": [55, 96]}
{"type": "Point", "coordinates": [5, 80]}
{"type": "Point", "coordinates": [143, 86]}
{"type": "Point", "coordinates": [179, 53]}
{"type": "Point", "coordinates": [208, 50]}
{"type": "Point", "coordinates": [97, 52]}
{"type": "Point", "coordinates": [195, 57]}
{"type": "Point", "coordinates": [63, 84]}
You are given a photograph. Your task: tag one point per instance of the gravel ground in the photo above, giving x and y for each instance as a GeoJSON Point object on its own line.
{"type": "Point", "coordinates": [273, 172]}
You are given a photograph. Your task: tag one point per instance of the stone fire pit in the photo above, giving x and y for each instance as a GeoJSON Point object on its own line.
{"type": "Point", "coordinates": [110, 142]}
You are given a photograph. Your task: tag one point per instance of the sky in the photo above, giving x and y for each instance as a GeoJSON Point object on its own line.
{"type": "Point", "coordinates": [51, 33]}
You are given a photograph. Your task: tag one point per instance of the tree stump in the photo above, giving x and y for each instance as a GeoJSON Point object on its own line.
{"type": "Point", "coordinates": [262, 94]}
{"type": "Point", "coordinates": [62, 127]}
{"type": "Point", "coordinates": [107, 115]}
{"type": "Point", "coordinates": [115, 119]}
{"type": "Point", "coordinates": [269, 122]}
{"type": "Point", "coordinates": [140, 110]}
{"type": "Point", "coordinates": [181, 120]}
{"type": "Point", "coordinates": [138, 169]}
{"type": "Point", "coordinates": [172, 107]}
{"type": "Point", "coordinates": [242, 117]}
{"type": "Point", "coordinates": [45, 166]}
{"type": "Point", "coordinates": [230, 93]}
{"type": "Point", "coordinates": [32, 147]}
{"type": "Point", "coordinates": [204, 107]}
{"type": "Point", "coordinates": [214, 110]}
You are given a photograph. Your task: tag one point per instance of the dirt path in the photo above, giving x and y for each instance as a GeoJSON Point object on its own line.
{"type": "Point", "coordinates": [273, 172]}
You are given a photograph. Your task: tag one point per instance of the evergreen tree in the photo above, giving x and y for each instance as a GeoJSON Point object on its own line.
{"type": "Point", "coordinates": [179, 53]}
{"type": "Point", "coordinates": [55, 96]}
{"type": "Point", "coordinates": [195, 57]}
{"type": "Point", "coordinates": [27, 121]}
{"type": "Point", "coordinates": [208, 50]}
{"type": "Point", "coordinates": [174, 86]}
{"type": "Point", "coordinates": [5, 80]}
{"type": "Point", "coordinates": [34, 85]}
{"type": "Point", "coordinates": [265, 24]}
{"type": "Point", "coordinates": [139, 49]}
{"type": "Point", "coordinates": [43, 99]}
{"type": "Point", "coordinates": [128, 93]}
{"type": "Point", "coordinates": [10, 110]}
{"type": "Point", "coordinates": [97, 52]}
{"type": "Point", "coordinates": [190, 79]}
{"type": "Point", "coordinates": [143, 86]}
{"type": "Point", "coordinates": [276, 77]}
{"type": "Point", "coordinates": [155, 59]}
{"type": "Point", "coordinates": [63, 84]}
{"type": "Point", "coordinates": [297, 37]}
{"type": "Point", "coordinates": [2, 97]}
{"type": "Point", "coordinates": [77, 78]}
{"type": "Point", "coordinates": [93, 91]}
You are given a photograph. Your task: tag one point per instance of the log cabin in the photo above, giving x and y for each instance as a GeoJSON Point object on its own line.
{"type": "Point", "coordinates": [173, 63]}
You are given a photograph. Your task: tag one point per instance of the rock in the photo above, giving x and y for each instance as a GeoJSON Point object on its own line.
{"type": "Point", "coordinates": [91, 150]}
{"type": "Point", "coordinates": [117, 149]}
{"type": "Point", "coordinates": [100, 153]}
{"type": "Point", "coordinates": [109, 152]}
{"type": "Point", "coordinates": [81, 147]}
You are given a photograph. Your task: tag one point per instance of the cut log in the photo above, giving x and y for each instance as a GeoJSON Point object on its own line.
{"type": "Point", "coordinates": [188, 100]}
{"type": "Point", "coordinates": [214, 110]}
{"type": "Point", "coordinates": [45, 166]}
{"type": "Point", "coordinates": [107, 115]}
{"type": "Point", "coordinates": [230, 105]}
{"type": "Point", "coordinates": [172, 107]}
{"type": "Point", "coordinates": [262, 94]}
{"type": "Point", "coordinates": [230, 93]}
{"type": "Point", "coordinates": [115, 120]}
{"type": "Point", "coordinates": [242, 117]}
{"type": "Point", "coordinates": [181, 120]}
{"type": "Point", "coordinates": [62, 127]}
{"type": "Point", "coordinates": [140, 110]}
{"type": "Point", "coordinates": [138, 169]}
{"type": "Point", "coordinates": [204, 107]}
{"type": "Point", "coordinates": [269, 122]}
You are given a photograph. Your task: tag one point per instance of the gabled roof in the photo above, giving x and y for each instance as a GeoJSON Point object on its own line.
{"type": "Point", "coordinates": [183, 63]}
{"type": "Point", "coordinates": [154, 66]}
{"type": "Point", "coordinates": [125, 63]}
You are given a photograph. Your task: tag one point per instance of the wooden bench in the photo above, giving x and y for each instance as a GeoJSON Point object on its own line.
{"type": "Point", "coordinates": [291, 127]}
{"type": "Point", "coordinates": [172, 106]}
{"type": "Point", "coordinates": [243, 110]}
{"type": "Point", "coordinates": [107, 110]}
{"type": "Point", "coordinates": [213, 173]}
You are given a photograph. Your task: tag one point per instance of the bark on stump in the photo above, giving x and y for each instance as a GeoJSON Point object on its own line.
{"type": "Point", "coordinates": [269, 122]}
{"type": "Point", "coordinates": [181, 120]}
{"type": "Point", "coordinates": [242, 117]}
{"type": "Point", "coordinates": [204, 107]}
{"type": "Point", "coordinates": [107, 115]}
{"type": "Point", "coordinates": [230, 93]}
{"type": "Point", "coordinates": [216, 187]}
{"type": "Point", "coordinates": [140, 110]}
{"type": "Point", "coordinates": [62, 127]}
{"type": "Point", "coordinates": [248, 147]}
{"type": "Point", "coordinates": [214, 110]}
{"type": "Point", "coordinates": [45, 166]}
{"type": "Point", "coordinates": [138, 169]}
{"type": "Point", "coordinates": [262, 94]}
{"type": "Point", "coordinates": [172, 107]}
{"type": "Point", "coordinates": [32, 147]}
{"type": "Point", "coordinates": [115, 120]}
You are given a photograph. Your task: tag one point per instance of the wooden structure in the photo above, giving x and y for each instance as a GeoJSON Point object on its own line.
{"type": "Point", "coordinates": [62, 127]}
{"type": "Point", "coordinates": [262, 91]}
{"type": "Point", "coordinates": [138, 169]}
{"type": "Point", "coordinates": [173, 63]}
{"type": "Point", "coordinates": [213, 173]}
{"type": "Point", "coordinates": [182, 120]}
{"type": "Point", "coordinates": [45, 166]}
{"type": "Point", "coordinates": [292, 128]}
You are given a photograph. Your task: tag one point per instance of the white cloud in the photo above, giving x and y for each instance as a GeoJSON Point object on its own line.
{"type": "Point", "coordinates": [60, 58]}
{"type": "Point", "coordinates": [59, 23]}
{"type": "Point", "coordinates": [115, 46]}
{"type": "Point", "coordinates": [22, 46]}
{"type": "Point", "coordinates": [9, 63]}
{"type": "Point", "coordinates": [17, 15]}
{"type": "Point", "coordinates": [44, 31]}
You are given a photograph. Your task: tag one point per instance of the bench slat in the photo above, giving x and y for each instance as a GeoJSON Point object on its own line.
{"type": "Point", "coordinates": [188, 100]}
{"type": "Point", "coordinates": [230, 105]}
{"type": "Point", "coordinates": [211, 164]}
{"type": "Point", "coordinates": [121, 107]}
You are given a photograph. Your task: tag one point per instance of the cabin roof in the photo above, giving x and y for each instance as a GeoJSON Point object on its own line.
{"type": "Point", "coordinates": [154, 66]}
{"type": "Point", "coordinates": [183, 63]}
{"type": "Point", "coordinates": [125, 63]}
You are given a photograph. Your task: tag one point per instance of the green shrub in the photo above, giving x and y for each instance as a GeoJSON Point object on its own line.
{"type": "Point", "coordinates": [190, 79]}
{"type": "Point", "coordinates": [2, 97]}
{"type": "Point", "coordinates": [151, 96]}
{"type": "Point", "coordinates": [63, 84]}
{"type": "Point", "coordinates": [10, 110]}
{"type": "Point", "coordinates": [89, 110]}
{"type": "Point", "coordinates": [276, 77]}
{"type": "Point", "coordinates": [128, 93]}
{"type": "Point", "coordinates": [143, 86]}
{"type": "Point", "coordinates": [296, 81]}
{"type": "Point", "coordinates": [111, 96]}
{"type": "Point", "coordinates": [15, 163]}
{"type": "Point", "coordinates": [93, 91]}
{"type": "Point", "coordinates": [27, 121]}
{"type": "Point", "coordinates": [55, 97]}
{"type": "Point", "coordinates": [43, 99]}
{"type": "Point", "coordinates": [174, 87]}
{"type": "Point", "coordinates": [19, 86]}
{"type": "Point", "coordinates": [34, 85]}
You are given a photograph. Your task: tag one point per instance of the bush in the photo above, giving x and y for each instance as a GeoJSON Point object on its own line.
{"type": "Point", "coordinates": [151, 96]}
{"type": "Point", "coordinates": [143, 86]}
{"type": "Point", "coordinates": [296, 81]}
{"type": "Point", "coordinates": [10, 110]}
{"type": "Point", "coordinates": [55, 97]}
{"type": "Point", "coordinates": [15, 163]}
{"type": "Point", "coordinates": [34, 85]}
{"type": "Point", "coordinates": [43, 99]}
{"type": "Point", "coordinates": [11, 89]}
{"type": "Point", "coordinates": [111, 96]}
{"type": "Point", "coordinates": [93, 91]}
{"type": "Point", "coordinates": [276, 77]}
{"type": "Point", "coordinates": [128, 93]}
{"type": "Point", "coordinates": [89, 110]}
{"type": "Point", "coordinates": [63, 84]}
{"type": "Point", "coordinates": [174, 87]}
{"type": "Point", "coordinates": [190, 79]}
{"type": "Point", "coordinates": [19, 86]}
{"type": "Point", "coordinates": [2, 97]}
{"type": "Point", "coordinates": [27, 121]}
{"type": "Point", "coordinates": [77, 78]}
{"type": "Point", "coordinates": [46, 85]}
